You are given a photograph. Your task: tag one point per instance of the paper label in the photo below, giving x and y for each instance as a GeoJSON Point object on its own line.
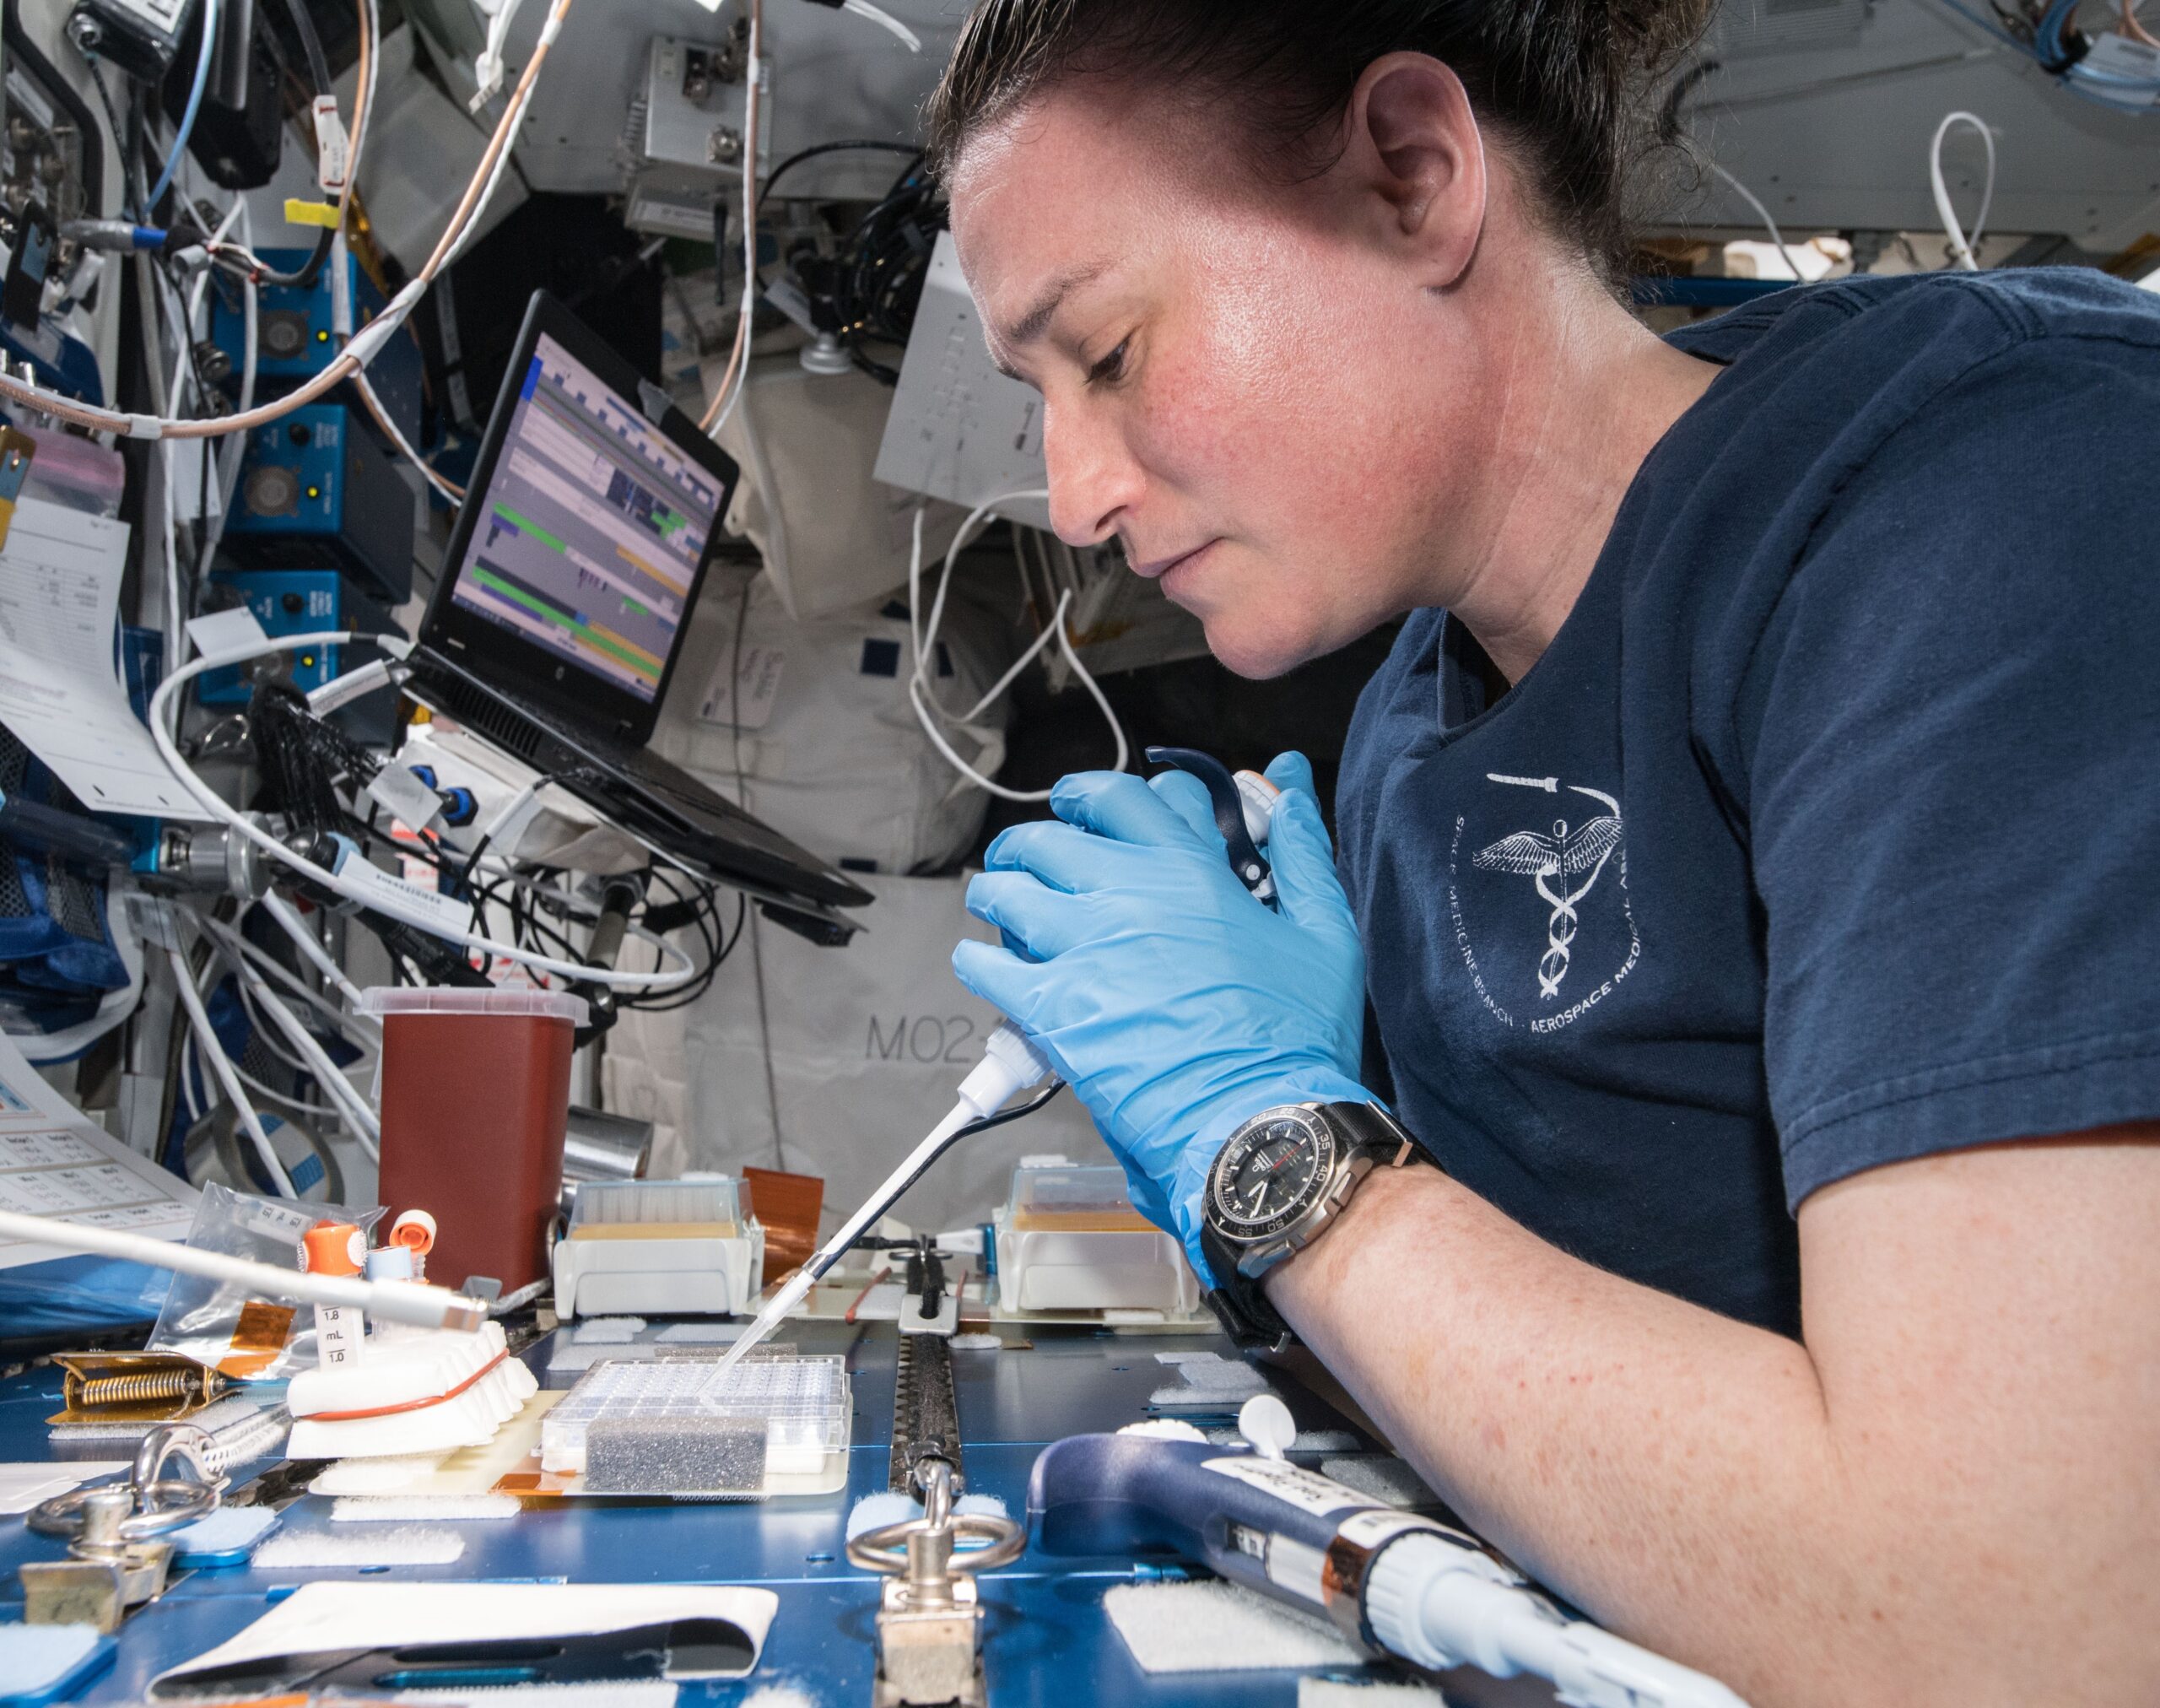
{"type": "Point", "coordinates": [152, 917]}
{"type": "Point", "coordinates": [761, 670]}
{"type": "Point", "coordinates": [332, 151]}
{"type": "Point", "coordinates": [445, 913]}
{"type": "Point", "coordinates": [225, 631]}
{"type": "Point", "coordinates": [1304, 1489]}
{"type": "Point", "coordinates": [405, 797]}
{"type": "Point", "coordinates": [1299, 1570]}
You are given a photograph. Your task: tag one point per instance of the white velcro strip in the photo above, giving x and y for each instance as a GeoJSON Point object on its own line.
{"type": "Point", "coordinates": [406, 1508]}
{"type": "Point", "coordinates": [1338, 1693]}
{"type": "Point", "coordinates": [410, 1544]}
{"type": "Point", "coordinates": [1213, 1626]}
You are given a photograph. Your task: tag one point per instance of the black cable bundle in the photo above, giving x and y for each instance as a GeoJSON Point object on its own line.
{"type": "Point", "coordinates": [869, 290]}
{"type": "Point", "coordinates": [303, 758]}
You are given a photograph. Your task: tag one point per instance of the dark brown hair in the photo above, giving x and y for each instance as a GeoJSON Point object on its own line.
{"type": "Point", "coordinates": [1563, 86]}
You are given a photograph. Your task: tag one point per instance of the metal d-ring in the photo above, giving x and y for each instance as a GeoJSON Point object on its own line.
{"type": "Point", "coordinates": [884, 1549]}
{"type": "Point", "coordinates": [88, 1518]}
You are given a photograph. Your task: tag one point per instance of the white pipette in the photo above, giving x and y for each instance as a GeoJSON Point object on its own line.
{"type": "Point", "coordinates": [1009, 1064]}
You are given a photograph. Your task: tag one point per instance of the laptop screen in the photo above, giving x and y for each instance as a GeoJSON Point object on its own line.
{"type": "Point", "coordinates": [589, 537]}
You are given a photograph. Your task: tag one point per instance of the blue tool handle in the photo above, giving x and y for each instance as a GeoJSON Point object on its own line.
{"type": "Point", "coordinates": [53, 830]}
{"type": "Point", "coordinates": [1245, 857]}
{"type": "Point", "coordinates": [1140, 1494]}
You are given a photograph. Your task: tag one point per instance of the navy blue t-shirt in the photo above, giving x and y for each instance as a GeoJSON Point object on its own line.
{"type": "Point", "coordinates": [1825, 833]}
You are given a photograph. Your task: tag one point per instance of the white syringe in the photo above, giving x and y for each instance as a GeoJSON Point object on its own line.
{"type": "Point", "coordinates": [1010, 1063]}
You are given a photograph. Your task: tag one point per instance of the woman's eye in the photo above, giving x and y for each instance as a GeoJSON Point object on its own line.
{"type": "Point", "coordinates": [1110, 366]}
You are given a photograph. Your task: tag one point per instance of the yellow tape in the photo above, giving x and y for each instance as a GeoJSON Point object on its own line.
{"type": "Point", "coordinates": [299, 212]}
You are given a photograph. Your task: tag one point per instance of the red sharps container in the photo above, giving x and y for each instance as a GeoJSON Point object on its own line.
{"type": "Point", "coordinates": [476, 1091]}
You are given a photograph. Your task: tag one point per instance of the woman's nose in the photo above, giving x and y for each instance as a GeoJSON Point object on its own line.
{"type": "Point", "coordinates": [1093, 479]}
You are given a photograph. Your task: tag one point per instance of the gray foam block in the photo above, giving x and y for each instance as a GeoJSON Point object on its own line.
{"type": "Point", "coordinates": [674, 1455]}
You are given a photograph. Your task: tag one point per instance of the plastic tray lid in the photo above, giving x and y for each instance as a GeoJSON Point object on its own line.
{"type": "Point", "coordinates": [618, 1203]}
{"type": "Point", "coordinates": [1073, 1200]}
{"type": "Point", "coordinates": [508, 1002]}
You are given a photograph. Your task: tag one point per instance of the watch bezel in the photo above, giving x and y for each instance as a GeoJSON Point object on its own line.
{"type": "Point", "coordinates": [1241, 1229]}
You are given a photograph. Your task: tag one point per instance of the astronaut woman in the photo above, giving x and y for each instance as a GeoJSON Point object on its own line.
{"type": "Point", "coordinates": [1744, 850]}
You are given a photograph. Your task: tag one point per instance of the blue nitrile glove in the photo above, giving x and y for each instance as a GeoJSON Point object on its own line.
{"type": "Point", "coordinates": [1177, 1005]}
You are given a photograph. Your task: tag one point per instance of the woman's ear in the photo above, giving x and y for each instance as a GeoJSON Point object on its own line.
{"type": "Point", "coordinates": [1413, 143]}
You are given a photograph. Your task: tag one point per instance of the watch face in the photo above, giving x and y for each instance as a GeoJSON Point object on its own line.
{"type": "Point", "coordinates": [1271, 1173]}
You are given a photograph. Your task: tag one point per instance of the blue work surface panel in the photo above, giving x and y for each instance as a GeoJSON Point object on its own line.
{"type": "Point", "coordinates": [1046, 1639]}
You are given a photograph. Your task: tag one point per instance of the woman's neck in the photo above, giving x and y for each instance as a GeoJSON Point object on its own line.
{"type": "Point", "coordinates": [1579, 392]}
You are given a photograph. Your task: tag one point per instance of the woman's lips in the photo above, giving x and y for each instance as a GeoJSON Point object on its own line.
{"type": "Point", "coordinates": [1170, 571]}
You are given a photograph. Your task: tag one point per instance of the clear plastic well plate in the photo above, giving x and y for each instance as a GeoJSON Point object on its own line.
{"type": "Point", "coordinates": [804, 1404]}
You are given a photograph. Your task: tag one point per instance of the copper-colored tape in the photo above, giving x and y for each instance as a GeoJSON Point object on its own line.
{"type": "Point", "coordinates": [789, 1206]}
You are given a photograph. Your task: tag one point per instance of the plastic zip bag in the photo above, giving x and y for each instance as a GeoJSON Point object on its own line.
{"type": "Point", "coordinates": [225, 1325]}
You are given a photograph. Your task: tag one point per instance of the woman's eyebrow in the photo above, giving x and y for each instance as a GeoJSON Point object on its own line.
{"type": "Point", "coordinates": [1036, 320]}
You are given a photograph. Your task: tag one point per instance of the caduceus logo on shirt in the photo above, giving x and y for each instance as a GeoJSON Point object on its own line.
{"type": "Point", "coordinates": [1565, 863]}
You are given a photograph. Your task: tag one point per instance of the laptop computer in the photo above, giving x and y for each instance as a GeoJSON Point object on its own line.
{"type": "Point", "coordinates": [591, 518]}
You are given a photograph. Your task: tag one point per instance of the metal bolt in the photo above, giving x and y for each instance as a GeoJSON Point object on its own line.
{"type": "Point", "coordinates": [724, 146]}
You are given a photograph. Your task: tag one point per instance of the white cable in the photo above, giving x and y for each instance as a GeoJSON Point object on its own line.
{"type": "Point", "coordinates": [367, 1129]}
{"type": "Point", "coordinates": [305, 940]}
{"type": "Point", "coordinates": [364, 347]}
{"type": "Point", "coordinates": [884, 20]}
{"type": "Point", "coordinates": [183, 370]}
{"type": "Point", "coordinates": [488, 65]}
{"type": "Point", "coordinates": [207, 1044]}
{"type": "Point", "coordinates": [285, 1100]}
{"type": "Point", "coordinates": [382, 419]}
{"type": "Point", "coordinates": [1763, 214]}
{"type": "Point", "coordinates": [364, 1034]}
{"type": "Point", "coordinates": [363, 679]}
{"type": "Point", "coordinates": [358, 139]}
{"type": "Point", "coordinates": [383, 897]}
{"type": "Point", "coordinates": [922, 696]}
{"type": "Point", "coordinates": [1961, 246]}
{"type": "Point", "coordinates": [234, 448]}
{"type": "Point", "coordinates": [753, 75]}
{"type": "Point", "coordinates": [418, 1302]}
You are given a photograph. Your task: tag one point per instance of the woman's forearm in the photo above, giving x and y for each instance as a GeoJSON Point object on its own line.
{"type": "Point", "coordinates": [1674, 1472]}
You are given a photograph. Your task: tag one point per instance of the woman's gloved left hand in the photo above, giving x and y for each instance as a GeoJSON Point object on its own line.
{"type": "Point", "coordinates": [1175, 1004]}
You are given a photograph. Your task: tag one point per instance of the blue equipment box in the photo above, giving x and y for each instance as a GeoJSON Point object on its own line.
{"type": "Point", "coordinates": [293, 340]}
{"type": "Point", "coordinates": [295, 601]}
{"type": "Point", "coordinates": [317, 493]}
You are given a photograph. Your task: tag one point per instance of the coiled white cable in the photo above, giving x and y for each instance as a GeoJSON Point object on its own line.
{"type": "Point", "coordinates": [1961, 244]}
{"type": "Point", "coordinates": [922, 697]}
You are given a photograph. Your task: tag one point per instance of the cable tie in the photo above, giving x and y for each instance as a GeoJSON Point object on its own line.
{"type": "Point", "coordinates": [144, 427]}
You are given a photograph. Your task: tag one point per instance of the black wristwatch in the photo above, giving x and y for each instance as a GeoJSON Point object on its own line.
{"type": "Point", "coordinates": [1281, 1178]}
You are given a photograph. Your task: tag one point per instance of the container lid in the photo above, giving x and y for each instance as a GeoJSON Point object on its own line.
{"type": "Point", "coordinates": [334, 1248]}
{"type": "Point", "coordinates": [512, 1002]}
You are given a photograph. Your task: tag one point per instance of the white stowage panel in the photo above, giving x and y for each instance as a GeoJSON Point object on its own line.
{"type": "Point", "coordinates": [960, 429]}
{"type": "Point", "coordinates": [415, 1390]}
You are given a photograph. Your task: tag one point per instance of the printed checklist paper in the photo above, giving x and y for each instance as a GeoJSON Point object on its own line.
{"type": "Point", "coordinates": [60, 695]}
{"type": "Point", "coordinates": [54, 1161]}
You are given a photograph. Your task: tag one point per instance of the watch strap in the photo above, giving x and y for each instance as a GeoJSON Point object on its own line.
{"type": "Point", "coordinates": [1239, 1301]}
{"type": "Point", "coordinates": [1370, 1128]}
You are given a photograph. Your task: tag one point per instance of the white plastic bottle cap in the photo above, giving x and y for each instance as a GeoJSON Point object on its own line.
{"type": "Point", "coordinates": [1265, 1422]}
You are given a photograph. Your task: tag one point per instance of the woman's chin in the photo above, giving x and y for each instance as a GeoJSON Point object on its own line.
{"type": "Point", "coordinates": [1257, 650]}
